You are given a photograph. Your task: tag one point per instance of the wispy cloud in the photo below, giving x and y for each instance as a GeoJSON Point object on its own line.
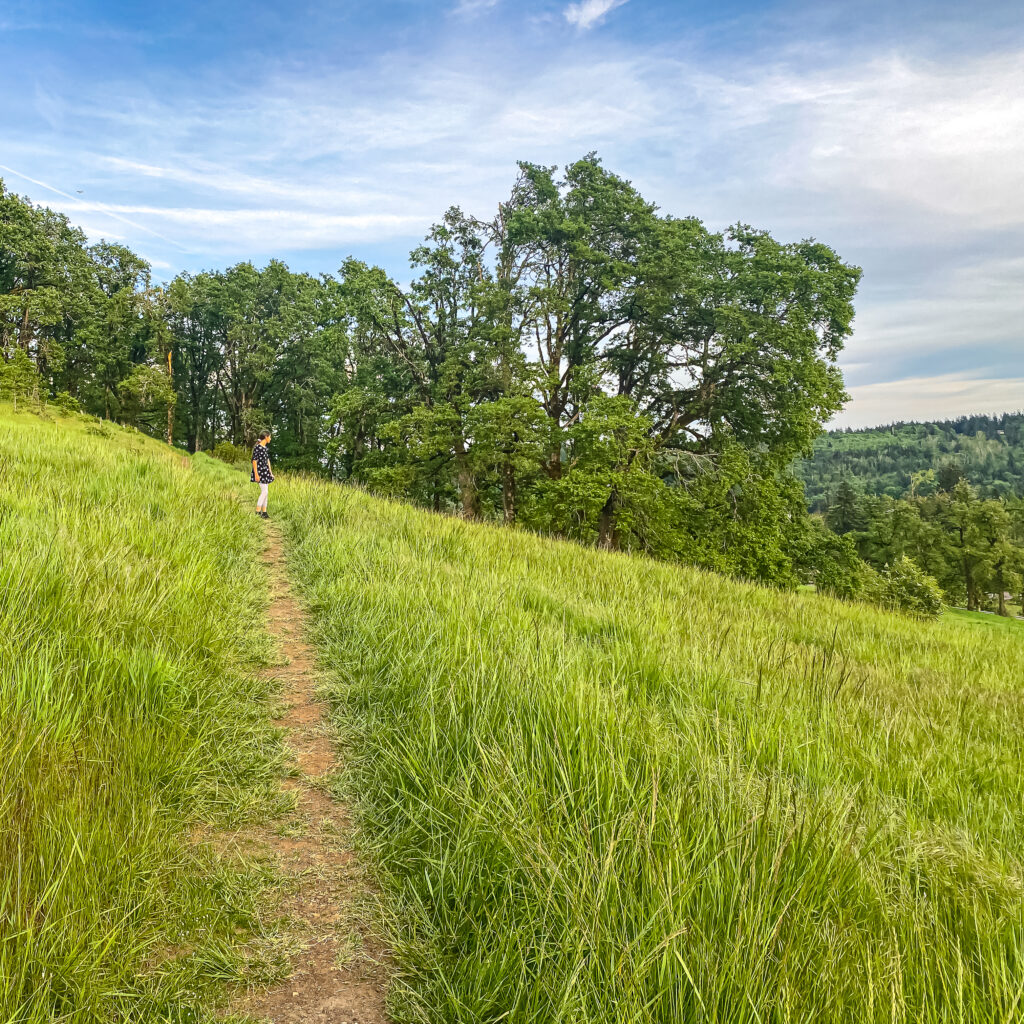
{"type": "Point", "coordinates": [887, 148]}
{"type": "Point", "coordinates": [950, 310]}
{"type": "Point", "coordinates": [587, 13]}
{"type": "Point", "coordinates": [931, 398]}
{"type": "Point", "coordinates": [223, 178]}
{"type": "Point", "coordinates": [469, 8]}
{"type": "Point", "coordinates": [946, 139]}
{"type": "Point", "coordinates": [280, 229]}
{"type": "Point", "coordinates": [87, 207]}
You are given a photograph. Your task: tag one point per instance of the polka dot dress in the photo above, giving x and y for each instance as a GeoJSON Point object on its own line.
{"type": "Point", "coordinates": [262, 460]}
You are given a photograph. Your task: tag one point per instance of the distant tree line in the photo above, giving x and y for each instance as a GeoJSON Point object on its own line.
{"type": "Point", "coordinates": [988, 451]}
{"type": "Point", "coordinates": [578, 364]}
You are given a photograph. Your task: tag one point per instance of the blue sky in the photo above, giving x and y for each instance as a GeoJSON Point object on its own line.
{"type": "Point", "coordinates": [205, 134]}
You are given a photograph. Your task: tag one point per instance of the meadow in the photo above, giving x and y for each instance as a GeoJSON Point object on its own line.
{"type": "Point", "coordinates": [130, 722]}
{"type": "Point", "coordinates": [592, 787]}
{"type": "Point", "coordinates": [598, 788]}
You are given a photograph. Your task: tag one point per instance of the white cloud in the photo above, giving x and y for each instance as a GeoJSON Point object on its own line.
{"type": "Point", "coordinates": [78, 205]}
{"type": "Point", "coordinates": [264, 230]}
{"type": "Point", "coordinates": [945, 139]}
{"type": "Point", "coordinates": [921, 149]}
{"type": "Point", "coordinates": [930, 398]}
{"type": "Point", "coordinates": [587, 13]}
{"type": "Point", "coordinates": [215, 177]}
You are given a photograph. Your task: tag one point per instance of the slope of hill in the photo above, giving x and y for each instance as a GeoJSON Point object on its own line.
{"type": "Point", "coordinates": [129, 716]}
{"type": "Point", "coordinates": [988, 450]}
{"type": "Point", "coordinates": [595, 787]}
{"type": "Point", "coordinates": [604, 789]}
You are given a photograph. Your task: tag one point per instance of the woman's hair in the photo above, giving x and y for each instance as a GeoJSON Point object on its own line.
{"type": "Point", "coordinates": [264, 433]}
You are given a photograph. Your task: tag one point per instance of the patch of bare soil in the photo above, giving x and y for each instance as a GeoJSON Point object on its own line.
{"type": "Point", "coordinates": [338, 971]}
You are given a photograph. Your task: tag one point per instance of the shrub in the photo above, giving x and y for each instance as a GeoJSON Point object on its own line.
{"type": "Point", "coordinates": [147, 394]}
{"type": "Point", "coordinates": [19, 378]}
{"type": "Point", "coordinates": [904, 585]}
{"type": "Point", "coordinates": [836, 567]}
{"type": "Point", "coordinates": [229, 453]}
{"type": "Point", "coordinates": [65, 403]}
{"type": "Point", "coordinates": [736, 514]}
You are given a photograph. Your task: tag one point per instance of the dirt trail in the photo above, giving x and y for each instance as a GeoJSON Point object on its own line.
{"type": "Point", "coordinates": [339, 976]}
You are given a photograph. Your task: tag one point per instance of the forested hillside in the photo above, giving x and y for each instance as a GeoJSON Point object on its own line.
{"type": "Point", "coordinates": [986, 450]}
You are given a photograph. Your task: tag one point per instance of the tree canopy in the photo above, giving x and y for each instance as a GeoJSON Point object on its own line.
{"type": "Point", "coordinates": [577, 363]}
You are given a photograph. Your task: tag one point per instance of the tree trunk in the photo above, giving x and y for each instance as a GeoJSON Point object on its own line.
{"type": "Point", "coordinates": [1001, 587]}
{"type": "Point", "coordinates": [467, 482]}
{"type": "Point", "coordinates": [508, 492]}
{"type": "Point", "coordinates": [968, 575]}
{"type": "Point", "coordinates": [25, 331]}
{"type": "Point", "coordinates": [357, 445]}
{"type": "Point", "coordinates": [607, 537]}
{"type": "Point", "coordinates": [170, 405]}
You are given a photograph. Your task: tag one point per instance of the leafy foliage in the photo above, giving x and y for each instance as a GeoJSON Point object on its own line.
{"type": "Point", "coordinates": [903, 585]}
{"type": "Point", "coordinates": [838, 569]}
{"type": "Point", "coordinates": [972, 547]}
{"type": "Point", "coordinates": [553, 366]}
{"type": "Point", "coordinates": [232, 454]}
{"type": "Point", "coordinates": [19, 379]}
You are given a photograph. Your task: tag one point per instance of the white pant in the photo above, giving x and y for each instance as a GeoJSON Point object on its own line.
{"type": "Point", "coordinates": [262, 502]}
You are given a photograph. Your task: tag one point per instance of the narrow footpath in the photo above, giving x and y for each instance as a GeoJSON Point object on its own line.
{"type": "Point", "coordinates": [339, 977]}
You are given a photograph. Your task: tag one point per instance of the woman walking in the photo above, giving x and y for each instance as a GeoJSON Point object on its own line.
{"type": "Point", "coordinates": [261, 472]}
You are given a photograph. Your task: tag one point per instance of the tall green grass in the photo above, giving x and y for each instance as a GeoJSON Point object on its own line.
{"type": "Point", "coordinates": [604, 789]}
{"type": "Point", "coordinates": [131, 594]}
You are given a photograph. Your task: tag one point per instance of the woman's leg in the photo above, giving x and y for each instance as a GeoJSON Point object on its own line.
{"type": "Point", "coordinates": [261, 501]}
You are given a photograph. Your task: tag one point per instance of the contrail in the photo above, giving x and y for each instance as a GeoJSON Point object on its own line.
{"type": "Point", "coordinates": [102, 207]}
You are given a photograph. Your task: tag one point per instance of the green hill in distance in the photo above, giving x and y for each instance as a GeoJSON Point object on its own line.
{"type": "Point", "coordinates": [987, 450]}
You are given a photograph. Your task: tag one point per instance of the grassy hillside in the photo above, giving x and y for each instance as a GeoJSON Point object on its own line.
{"type": "Point", "coordinates": [129, 585]}
{"type": "Point", "coordinates": [880, 460]}
{"type": "Point", "coordinates": [597, 788]}
{"type": "Point", "coordinates": [604, 789]}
